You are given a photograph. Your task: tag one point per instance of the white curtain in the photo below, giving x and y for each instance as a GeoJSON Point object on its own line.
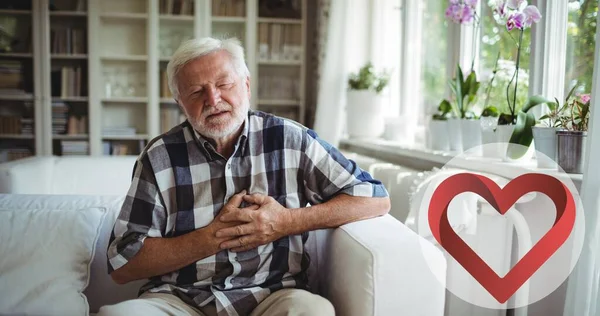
{"type": "Point", "coordinates": [583, 296]}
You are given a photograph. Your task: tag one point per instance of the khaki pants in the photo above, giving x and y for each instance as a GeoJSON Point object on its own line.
{"type": "Point", "coordinates": [285, 302]}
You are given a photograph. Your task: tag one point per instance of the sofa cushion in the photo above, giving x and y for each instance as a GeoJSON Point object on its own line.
{"type": "Point", "coordinates": [45, 259]}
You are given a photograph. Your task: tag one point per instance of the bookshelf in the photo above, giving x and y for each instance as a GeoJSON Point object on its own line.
{"type": "Point", "coordinates": [109, 95]}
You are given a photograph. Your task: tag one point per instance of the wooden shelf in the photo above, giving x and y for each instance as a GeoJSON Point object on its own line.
{"type": "Point", "coordinates": [69, 56]}
{"type": "Point", "coordinates": [131, 137]}
{"type": "Point", "coordinates": [71, 99]}
{"type": "Point", "coordinates": [10, 11]}
{"type": "Point", "coordinates": [176, 18]}
{"type": "Point", "coordinates": [229, 19]}
{"type": "Point", "coordinates": [68, 13]}
{"type": "Point", "coordinates": [125, 58]}
{"type": "Point", "coordinates": [275, 102]}
{"type": "Point", "coordinates": [17, 55]}
{"type": "Point", "coordinates": [125, 100]}
{"type": "Point", "coordinates": [9, 97]}
{"type": "Point", "coordinates": [69, 137]}
{"type": "Point", "coordinates": [281, 21]}
{"type": "Point", "coordinates": [124, 16]}
{"type": "Point", "coordinates": [15, 136]}
{"type": "Point", "coordinates": [280, 62]}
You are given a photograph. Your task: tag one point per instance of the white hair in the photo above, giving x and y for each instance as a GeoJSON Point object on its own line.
{"type": "Point", "coordinates": [195, 48]}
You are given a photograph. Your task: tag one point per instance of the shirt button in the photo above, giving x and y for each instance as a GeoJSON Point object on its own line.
{"type": "Point", "coordinates": [229, 167]}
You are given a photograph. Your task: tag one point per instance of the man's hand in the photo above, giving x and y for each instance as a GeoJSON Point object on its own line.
{"type": "Point", "coordinates": [262, 226]}
{"type": "Point", "coordinates": [232, 206]}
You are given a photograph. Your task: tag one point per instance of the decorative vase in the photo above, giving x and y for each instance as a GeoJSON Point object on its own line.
{"type": "Point", "coordinates": [364, 114]}
{"type": "Point", "coordinates": [571, 150]}
{"type": "Point", "coordinates": [455, 135]}
{"type": "Point", "coordinates": [471, 136]}
{"type": "Point", "coordinates": [545, 142]}
{"type": "Point", "coordinates": [438, 135]}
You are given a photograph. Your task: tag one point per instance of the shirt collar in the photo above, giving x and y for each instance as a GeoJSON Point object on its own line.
{"type": "Point", "coordinates": [240, 144]}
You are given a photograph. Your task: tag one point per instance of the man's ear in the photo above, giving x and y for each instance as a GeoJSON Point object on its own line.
{"type": "Point", "coordinates": [248, 87]}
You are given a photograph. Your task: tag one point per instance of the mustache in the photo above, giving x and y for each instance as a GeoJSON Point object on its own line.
{"type": "Point", "coordinates": [221, 107]}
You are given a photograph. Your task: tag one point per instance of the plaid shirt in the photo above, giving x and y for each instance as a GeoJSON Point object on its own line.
{"type": "Point", "coordinates": [180, 183]}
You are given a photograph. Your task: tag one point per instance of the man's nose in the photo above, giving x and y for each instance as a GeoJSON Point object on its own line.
{"type": "Point", "coordinates": [213, 96]}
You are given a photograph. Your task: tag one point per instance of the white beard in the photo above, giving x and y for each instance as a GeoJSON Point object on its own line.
{"type": "Point", "coordinates": [217, 129]}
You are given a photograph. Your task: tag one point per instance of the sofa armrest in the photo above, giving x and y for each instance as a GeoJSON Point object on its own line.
{"type": "Point", "coordinates": [381, 267]}
{"type": "Point", "coordinates": [27, 176]}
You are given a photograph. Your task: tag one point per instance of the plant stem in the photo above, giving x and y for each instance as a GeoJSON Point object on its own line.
{"type": "Point", "coordinates": [513, 107]}
{"type": "Point", "coordinates": [489, 88]}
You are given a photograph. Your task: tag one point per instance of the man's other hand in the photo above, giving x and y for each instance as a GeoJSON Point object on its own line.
{"type": "Point", "coordinates": [260, 227]}
{"type": "Point", "coordinates": [232, 205]}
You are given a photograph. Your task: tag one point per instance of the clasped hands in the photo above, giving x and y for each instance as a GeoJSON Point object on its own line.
{"type": "Point", "coordinates": [264, 221]}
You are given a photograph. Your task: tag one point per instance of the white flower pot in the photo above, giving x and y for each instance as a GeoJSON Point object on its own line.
{"type": "Point", "coordinates": [503, 134]}
{"type": "Point", "coordinates": [364, 114]}
{"type": "Point", "coordinates": [545, 142]}
{"type": "Point", "coordinates": [455, 135]}
{"type": "Point", "coordinates": [438, 135]}
{"type": "Point", "coordinates": [471, 136]}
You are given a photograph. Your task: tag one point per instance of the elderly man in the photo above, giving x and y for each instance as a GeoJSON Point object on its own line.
{"type": "Point", "coordinates": [216, 216]}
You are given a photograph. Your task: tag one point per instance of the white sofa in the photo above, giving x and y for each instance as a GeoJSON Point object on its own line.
{"type": "Point", "coordinates": [372, 267]}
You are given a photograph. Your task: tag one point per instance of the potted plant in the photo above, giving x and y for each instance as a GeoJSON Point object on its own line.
{"type": "Point", "coordinates": [515, 14]}
{"type": "Point", "coordinates": [364, 107]}
{"type": "Point", "coordinates": [571, 143]}
{"type": "Point", "coordinates": [438, 127]}
{"type": "Point", "coordinates": [544, 133]}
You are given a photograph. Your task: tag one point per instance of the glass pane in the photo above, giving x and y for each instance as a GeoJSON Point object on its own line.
{"type": "Point", "coordinates": [581, 41]}
{"type": "Point", "coordinates": [435, 51]}
{"type": "Point", "coordinates": [496, 39]}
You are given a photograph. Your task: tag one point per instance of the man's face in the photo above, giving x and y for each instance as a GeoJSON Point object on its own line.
{"type": "Point", "coordinates": [214, 97]}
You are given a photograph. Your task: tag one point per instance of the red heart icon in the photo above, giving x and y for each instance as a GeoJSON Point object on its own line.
{"type": "Point", "coordinates": [501, 288]}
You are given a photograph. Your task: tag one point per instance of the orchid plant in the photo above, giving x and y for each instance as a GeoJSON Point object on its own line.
{"type": "Point", "coordinates": [463, 86]}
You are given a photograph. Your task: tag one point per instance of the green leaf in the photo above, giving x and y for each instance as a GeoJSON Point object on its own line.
{"type": "Point", "coordinates": [445, 107]}
{"type": "Point", "coordinates": [490, 111]}
{"type": "Point", "coordinates": [522, 135]}
{"type": "Point", "coordinates": [537, 100]}
{"type": "Point", "coordinates": [570, 92]}
{"type": "Point", "coordinates": [459, 90]}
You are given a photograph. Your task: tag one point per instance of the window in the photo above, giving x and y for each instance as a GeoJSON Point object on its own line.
{"type": "Point", "coordinates": [434, 80]}
{"type": "Point", "coordinates": [495, 39]}
{"type": "Point", "coordinates": [581, 41]}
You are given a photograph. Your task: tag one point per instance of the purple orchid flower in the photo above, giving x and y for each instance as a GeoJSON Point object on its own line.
{"type": "Point", "coordinates": [471, 3]}
{"type": "Point", "coordinates": [532, 15]}
{"type": "Point", "coordinates": [516, 20]}
{"type": "Point", "coordinates": [460, 13]}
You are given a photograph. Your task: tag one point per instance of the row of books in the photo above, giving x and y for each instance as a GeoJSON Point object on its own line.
{"type": "Point", "coordinates": [60, 117]}
{"type": "Point", "coordinates": [67, 82]}
{"type": "Point", "coordinates": [169, 118]}
{"type": "Point", "coordinates": [119, 148]}
{"type": "Point", "coordinates": [228, 7]}
{"type": "Point", "coordinates": [10, 154]}
{"type": "Point", "coordinates": [16, 125]}
{"type": "Point", "coordinates": [177, 7]}
{"type": "Point", "coordinates": [11, 74]}
{"type": "Point", "coordinates": [67, 40]}
{"type": "Point", "coordinates": [77, 125]}
{"type": "Point", "coordinates": [278, 41]}
{"type": "Point", "coordinates": [75, 147]}
{"type": "Point", "coordinates": [278, 87]}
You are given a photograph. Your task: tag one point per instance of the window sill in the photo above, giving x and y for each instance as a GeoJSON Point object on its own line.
{"type": "Point", "coordinates": [421, 158]}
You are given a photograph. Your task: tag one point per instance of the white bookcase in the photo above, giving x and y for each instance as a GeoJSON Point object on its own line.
{"type": "Point", "coordinates": [116, 96]}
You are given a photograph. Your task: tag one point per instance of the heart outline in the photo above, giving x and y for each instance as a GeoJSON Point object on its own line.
{"type": "Point", "coordinates": [501, 288]}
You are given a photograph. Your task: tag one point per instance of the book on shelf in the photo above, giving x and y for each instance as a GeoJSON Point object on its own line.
{"type": "Point", "coordinates": [67, 82]}
{"type": "Point", "coordinates": [77, 125]}
{"type": "Point", "coordinates": [169, 118]}
{"type": "Point", "coordinates": [11, 74]}
{"type": "Point", "coordinates": [277, 41]}
{"type": "Point", "coordinates": [229, 8]}
{"type": "Point", "coordinates": [60, 113]}
{"type": "Point", "coordinates": [10, 125]}
{"type": "Point", "coordinates": [115, 148]}
{"type": "Point", "coordinates": [165, 92]}
{"type": "Point", "coordinates": [67, 40]}
{"type": "Point", "coordinates": [10, 154]}
{"type": "Point", "coordinates": [75, 147]}
{"type": "Point", "coordinates": [176, 7]}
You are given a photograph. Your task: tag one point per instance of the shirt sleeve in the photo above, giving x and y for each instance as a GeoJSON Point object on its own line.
{"type": "Point", "coordinates": [327, 173]}
{"type": "Point", "coordinates": [142, 215]}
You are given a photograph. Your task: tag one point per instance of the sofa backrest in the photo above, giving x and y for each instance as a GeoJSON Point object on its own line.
{"type": "Point", "coordinates": [101, 289]}
{"type": "Point", "coordinates": [104, 175]}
